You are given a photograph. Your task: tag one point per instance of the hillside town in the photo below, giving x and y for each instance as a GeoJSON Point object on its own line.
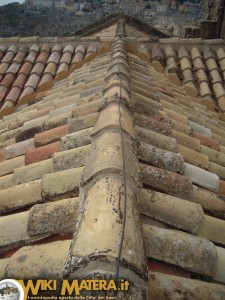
{"type": "Point", "coordinates": [61, 17]}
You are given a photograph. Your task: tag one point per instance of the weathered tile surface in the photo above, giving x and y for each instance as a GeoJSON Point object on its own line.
{"type": "Point", "coordinates": [61, 107]}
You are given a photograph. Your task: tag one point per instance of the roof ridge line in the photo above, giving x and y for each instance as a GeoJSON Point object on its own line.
{"type": "Point", "coordinates": [111, 180]}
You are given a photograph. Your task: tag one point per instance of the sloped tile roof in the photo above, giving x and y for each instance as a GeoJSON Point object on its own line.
{"type": "Point", "coordinates": [198, 68]}
{"type": "Point", "coordinates": [118, 129]}
{"type": "Point", "coordinates": [26, 70]}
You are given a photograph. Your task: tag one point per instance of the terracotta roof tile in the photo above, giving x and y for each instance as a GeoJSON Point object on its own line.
{"type": "Point", "coordinates": [28, 194]}
{"type": "Point", "coordinates": [1, 55]}
{"type": "Point", "coordinates": [32, 172]}
{"type": "Point", "coordinates": [19, 57]}
{"type": "Point", "coordinates": [8, 106]}
{"type": "Point", "coordinates": [168, 241]}
{"type": "Point", "coordinates": [38, 154]}
{"type": "Point", "coordinates": [34, 48]}
{"type": "Point", "coordinates": [56, 121]}
{"type": "Point", "coordinates": [33, 122]}
{"type": "Point", "coordinates": [211, 64]}
{"type": "Point", "coordinates": [3, 67]}
{"type": "Point", "coordinates": [200, 129]}
{"type": "Point", "coordinates": [76, 139]}
{"type": "Point", "coordinates": [194, 157]}
{"type": "Point", "coordinates": [26, 68]}
{"type": "Point", "coordinates": [160, 158]}
{"type": "Point", "coordinates": [222, 64]}
{"type": "Point", "coordinates": [59, 109]}
{"type": "Point", "coordinates": [219, 276]}
{"type": "Point", "coordinates": [219, 90]}
{"type": "Point", "coordinates": [14, 235]}
{"type": "Point", "coordinates": [54, 58]}
{"type": "Point", "coordinates": [195, 53]}
{"type": "Point", "coordinates": [57, 48]}
{"type": "Point", "coordinates": [80, 48]}
{"type": "Point", "coordinates": [7, 143]}
{"type": "Point", "coordinates": [153, 204]}
{"type": "Point", "coordinates": [52, 264]}
{"type": "Point", "coordinates": [214, 144]}
{"type": "Point", "coordinates": [42, 57]}
{"type": "Point", "coordinates": [33, 81]}
{"type": "Point", "coordinates": [6, 181]}
{"type": "Point", "coordinates": [13, 48]}
{"type": "Point", "coordinates": [219, 138]}
{"type": "Point", "coordinates": [27, 115]}
{"type": "Point", "coordinates": [51, 69]}
{"type": "Point", "coordinates": [160, 284]}
{"type": "Point", "coordinates": [42, 113]}
{"type": "Point", "coordinates": [202, 178]}
{"type": "Point", "coordinates": [31, 56]}
{"type": "Point", "coordinates": [40, 214]}
{"type": "Point", "coordinates": [187, 141]}
{"type": "Point", "coordinates": [45, 82]}
{"type": "Point", "coordinates": [201, 75]}
{"type": "Point", "coordinates": [2, 48]}
{"type": "Point", "coordinates": [152, 124]}
{"type": "Point", "coordinates": [78, 57]}
{"type": "Point", "coordinates": [157, 59]}
{"type": "Point", "coordinates": [8, 80]}
{"type": "Point", "coordinates": [13, 95]}
{"type": "Point", "coordinates": [26, 95]}
{"type": "Point", "coordinates": [210, 201]}
{"type": "Point", "coordinates": [3, 91]}
{"type": "Point", "coordinates": [80, 123]}
{"type": "Point", "coordinates": [73, 158]}
{"type": "Point", "coordinates": [167, 182]}
{"type": "Point", "coordinates": [61, 183]}
{"type": "Point", "coordinates": [50, 136]}
{"type": "Point", "coordinates": [91, 48]}
{"type": "Point", "coordinates": [217, 169]}
{"type": "Point", "coordinates": [66, 57]}
{"type": "Point", "coordinates": [19, 148]}
{"type": "Point", "coordinates": [62, 71]}
{"type": "Point", "coordinates": [68, 48]}
{"type": "Point", "coordinates": [221, 102]}
{"type": "Point", "coordinates": [46, 47]}
{"type": "Point", "coordinates": [20, 80]}
{"type": "Point", "coordinates": [38, 68]}
{"type": "Point", "coordinates": [9, 165]}
{"type": "Point", "coordinates": [8, 57]}
{"type": "Point", "coordinates": [29, 133]}
{"type": "Point", "coordinates": [10, 134]}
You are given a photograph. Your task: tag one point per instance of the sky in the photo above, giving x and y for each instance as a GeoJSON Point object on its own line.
{"type": "Point", "coordinates": [3, 2]}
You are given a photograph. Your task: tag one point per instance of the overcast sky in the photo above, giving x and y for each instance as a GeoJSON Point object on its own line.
{"type": "Point", "coordinates": [3, 2]}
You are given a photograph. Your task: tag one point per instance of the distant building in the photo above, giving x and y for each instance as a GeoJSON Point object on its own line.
{"type": "Point", "coordinates": [70, 4]}
{"type": "Point", "coordinates": [221, 22]}
{"type": "Point", "coordinates": [162, 8]}
{"type": "Point", "coordinates": [213, 19]}
{"type": "Point", "coordinates": [36, 2]}
{"type": "Point", "coordinates": [47, 3]}
{"type": "Point", "coordinates": [59, 3]}
{"type": "Point", "coordinates": [190, 8]}
{"type": "Point", "coordinates": [150, 13]}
